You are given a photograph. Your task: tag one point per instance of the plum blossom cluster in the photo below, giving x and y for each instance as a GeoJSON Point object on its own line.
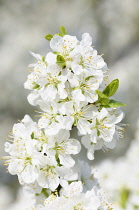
{"type": "Point", "coordinates": [70, 86]}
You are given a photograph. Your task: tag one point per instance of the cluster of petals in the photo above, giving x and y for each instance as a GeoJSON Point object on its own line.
{"type": "Point", "coordinates": [83, 73]}
{"type": "Point", "coordinates": [67, 94]}
{"type": "Point", "coordinates": [36, 157]}
{"type": "Point", "coordinates": [73, 198]}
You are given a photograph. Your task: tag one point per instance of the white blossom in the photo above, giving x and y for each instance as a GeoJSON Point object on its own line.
{"type": "Point", "coordinates": [72, 198]}
{"type": "Point", "coordinates": [61, 146]}
{"type": "Point", "coordinates": [84, 86]}
{"type": "Point", "coordinates": [102, 131]}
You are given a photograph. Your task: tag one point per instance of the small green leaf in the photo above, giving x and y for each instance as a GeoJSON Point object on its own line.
{"type": "Point", "coordinates": [104, 101]}
{"type": "Point", "coordinates": [111, 89]}
{"type": "Point", "coordinates": [49, 37]}
{"type": "Point", "coordinates": [62, 31]}
{"type": "Point", "coordinates": [61, 61]}
{"type": "Point", "coordinates": [102, 98]}
{"type": "Point", "coordinates": [114, 103]}
{"type": "Point", "coordinates": [100, 94]}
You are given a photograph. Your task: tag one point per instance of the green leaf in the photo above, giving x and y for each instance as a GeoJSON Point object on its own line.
{"type": "Point", "coordinates": [100, 94]}
{"type": "Point", "coordinates": [102, 98]}
{"type": "Point", "coordinates": [62, 31]}
{"type": "Point", "coordinates": [49, 37]}
{"type": "Point", "coordinates": [114, 103]}
{"type": "Point", "coordinates": [61, 61]}
{"type": "Point", "coordinates": [104, 101]}
{"type": "Point", "coordinates": [111, 89]}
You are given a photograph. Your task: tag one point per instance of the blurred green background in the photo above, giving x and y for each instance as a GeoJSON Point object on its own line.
{"type": "Point", "coordinates": [114, 26]}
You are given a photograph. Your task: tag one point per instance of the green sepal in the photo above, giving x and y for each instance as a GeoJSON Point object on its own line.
{"type": "Point", "coordinates": [75, 122]}
{"type": "Point", "coordinates": [87, 78]}
{"type": "Point", "coordinates": [64, 100]}
{"type": "Point", "coordinates": [61, 61]}
{"type": "Point", "coordinates": [55, 52]}
{"type": "Point", "coordinates": [98, 133]}
{"type": "Point", "coordinates": [43, 58]}
{"type": "Point", "coordinates": [63, 31]}
{"type": "Point", "coordinates": [32, 135]}
{"type": "Point", "coordinates": [45, 193]}
{"type": "Point", "coordinates": [36, 86]}
{"type": "Point", "coordinates": [49, 37]}
{"type": "Point", "coordinates": [111, 89]}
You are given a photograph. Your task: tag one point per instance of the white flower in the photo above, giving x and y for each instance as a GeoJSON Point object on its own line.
{"type": "Point", "coordinates": [31, 82]}
{"type": "Point", "coordinates": [26, 162]}
{"type": "Point", "coordinates": [63, 45]}
{"type": "Point", "coordinates": [61, 146]}
{"type": "Point", "coordinates": [81, 115]}
{"type": "Point", "coordinates": [53, 83]}
{"type": "Point", "coordinates": [25, 158]}
{"type": "Point", "coordinates": [102, 131]}
{"type": "Point", "coordinates": [48, 83]}
{"type": "Point", "coordinates": [84, 86]}
{"type": "Point", "coordinates": [89, 60]}
{"type": "Point", "coordinates": [41, 62]}
{"type": "Point", "coordinates": [48, 177]}
{"type": "Point", "coordinates": [50, 174]}
{"type": "Point", "coordinates": [51, 120]}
